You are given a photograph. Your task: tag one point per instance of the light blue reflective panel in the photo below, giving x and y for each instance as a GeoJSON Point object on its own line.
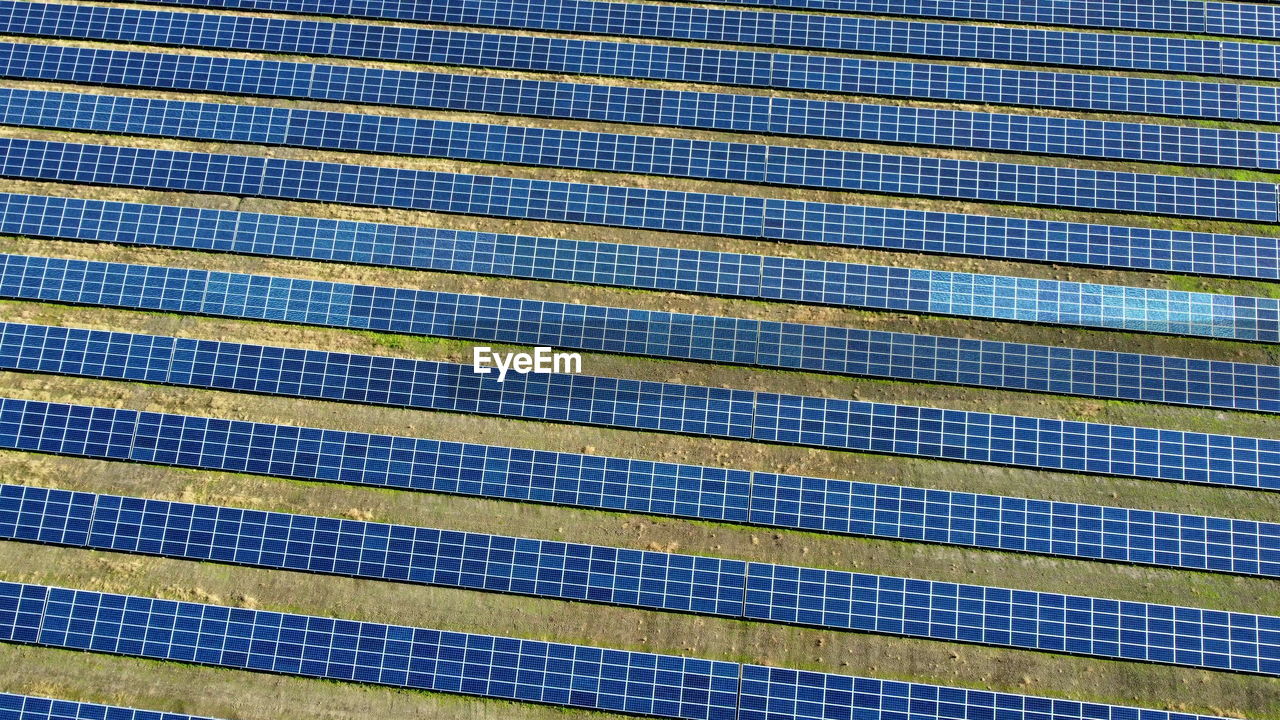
{"type": "Point", "coordinates": [680, 157]}
{"type": "Point", "coordinates": [651, 106]}
{"type": "Point", "coordinates": [693, 337]}
{"type": "Point", "coordinates": [1072, 446]}
{"type": "Point", "coordinates": [743, 27]}
{"type": "Point", "coordinates": [682, 64]}
{"type": "Point", "coordinates": [613, 206]}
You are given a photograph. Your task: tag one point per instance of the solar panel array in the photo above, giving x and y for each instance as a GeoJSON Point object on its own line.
{"type": "Point", "coordinates": [655, 406]}
{"type": "Point", "coordinates": [535, 322]}
{"type": "Point", "coordinates": [573, 675]}
{"type": "Point", "coordinates": [650, 106]}
{"type": "Point", "coordinates": [787, 30]}
{"type": "Point", "coordinates": [583, 677]}
{"type": "Point", "coordinates": [1180, 16]}
{"type": "Point", "coordinates": [904, 356]}
{"type": "Point", "coordinates": [620, 207]}
{"type": "Point", "coordinates": [647, 155]}
{"type": "Point", "coordinates": [1228, 101]}
{"type": "Point", "coordinates": [709, 493]}
{"type": "Point", "coordinates": [29, 707]}
{"type": "Point", "coordinates": [649, 579]}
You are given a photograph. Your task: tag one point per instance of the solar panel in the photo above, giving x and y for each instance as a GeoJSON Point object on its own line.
{"type": "Point", "coordinates": [681, 64]}
{"type": "Point", "coordinates": [1070, 446]}
{"type": "Point", "coordinates": [650, 106]}
{"type": "Point", "coordinates": [616, 206]}
{"type": "Point", "coordinates": [30, 707]}
{"type": "Point", "coordinates": [511, 320]}
{"type": "Point", "coordinates": [649, 579]}
{"type": "Point", "coordinates": [1179, 16]}
{"type": "Point", "coordinates": [770, 29]}
{"type": "Point", "coordinates": [738, 496]}
{"type": "Point", "coordinates": [575, 675]}
{"type": "Point", "coordinates": [648, 155]}
{"type": "Point", "coordinates": [904, 356]}
{"type": "Point", "coordinates": [485, 665]}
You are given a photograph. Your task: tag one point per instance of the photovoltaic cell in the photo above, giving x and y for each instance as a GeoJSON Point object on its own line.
{"type": "Point", "coordinates": [1071, 446]}
{"type": "Point", "coordinates": [654, 62]}
{"type": "Point", "coordinates": [509, 320]}
{"type": "Point", "coordinates": [1178, 16]}
{"type": "Point", "coordinates": [739, 496]}
{"type": "Point", "coordinates": [510, 668]}
{"type": "Point", "coordinates": [786, 30]}
{"type": "Point", "coordinates": [30, 707]}
{"type": "Point", "coordinates": [615, 206]}
{"type": "Point", "coordinates": [756, 114]}
{"type": "Point", "coordinates": [647, 155]}
{"type": "Point", "coordinates": [575, 675]}
{"type": "Point", "coordinates": [658, 580]}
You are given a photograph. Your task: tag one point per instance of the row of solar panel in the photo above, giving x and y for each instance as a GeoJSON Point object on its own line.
{"type": "Point", "coordinates": [986, 363]}
{"type": "Point", "coordinates": [515, 321]}
{"type": "Point", "coordinates": [614, 206]}
{"type": "Point", "coordinates": [757, 591]}
{"type": "Point", "coordinates": [772, 29]}
{"type": "Point", "coordinates": [1180, 16]}
{"type": "Point", "coordinates": [757, 114]}
{"type": "Point", "coordinates": [534, 671]}
{"type": "Point", "coordinates": [656, 267]}
{"type": "Point", "coordinates": [30, 707]}
{"type": "Point", "coordinates": [1153, 96]}
{"type": "Point", "coordinates": [655, 406]}
{"type": "Point", "coordinates": [738, 496]}
{"type": "Point", "coordinates": [679, 157]}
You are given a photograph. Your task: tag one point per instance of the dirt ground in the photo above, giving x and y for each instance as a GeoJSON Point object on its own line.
{"type": "Point", "coordinates": [233, 694]}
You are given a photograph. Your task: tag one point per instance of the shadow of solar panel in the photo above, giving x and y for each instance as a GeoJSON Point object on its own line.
{"type": "Point", "coordinates": [651, 106]}
{"type": "Point", "coordinates": [739, 496]}
{"type": "Point", "coordinates": [647, 155]}
{"type": "Point", "coordinates": [575, 675]}
{"type": "Point", "coordinates": [655, 62]}
{"type": "Point", "coordinates": [644, 405]}
{"type": "Point", "coordinates": [1180, 16]}
{"type": "Point", "coordinates": [648, 579]}
{"type": "Point", "coordinates": [799, 31]}
{"type": "Point", "coordinates": [683, 336]}
{"type": "Point", "coordinates": [30, 707]}
{"type": "Point", "coordinates": [615, 206]}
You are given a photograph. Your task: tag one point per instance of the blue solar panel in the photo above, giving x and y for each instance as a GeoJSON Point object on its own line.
{"type": "Point", "coordinates": [1038, 368]}
{"type": "Point", "coordinates": [746, 27]}
{"type": "Point", "coordinates": [644, 405]}
{"type": "Point", "coordinates": [650, 106]}
{"type": "Point", "coordinates": [739, 496]}
{"type": "Point", "coordinates": [29, 707]}
{"type": "Point", "coordinates": [575, 675]}
{"type": "Point", "coordinates": [1180, 16]}
{"type": "Point", "coordinates": [647, 155]}
{"type": "Point", "coordinates": [615, 206]}
{"type": "Point", "coordinates": [572, 675]}
{"type": "Point", "coordinates": [666, 581]}
{"type": "Point", "coordinates": [536, 322]}
{"type": "Point", "coordinates": [681, 64]}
